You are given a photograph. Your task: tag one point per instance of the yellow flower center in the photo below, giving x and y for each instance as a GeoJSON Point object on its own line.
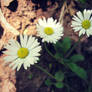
{"type": "Point", "coordinates": [86, 24]}
{"type": "Point", "coordinates": [22, 52]}
{"type": "Point", "coordinates": [48, 31]}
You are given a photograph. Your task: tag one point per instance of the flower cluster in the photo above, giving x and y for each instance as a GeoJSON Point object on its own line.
{"type": "Point", "coordinates": [26, 52]}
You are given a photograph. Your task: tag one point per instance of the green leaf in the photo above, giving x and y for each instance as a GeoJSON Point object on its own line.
{"type": "Point", "coordinates": [58, 46]}
{"type": "Point", "coordinates": [76, 58]}
{"type": "Point", "coordinates": [66, 60]}
{"type": "Point", "coordinates": [58, 55]}
{"type": "Point", "coordinates": [48, 82]}
{"type": "Point", "coordinates": [58, 49]}
{"type": "Point", "coordinates": [82, 1]}
{"type": "Point", "coordinates": [59, 85]}
{"type": "Point", "coordinates": [63, 46]}
{"type": "Point", "coordinates": [59, 76]}
{"type": "Point", "coordinates": [78, 70]}
{"type": "Point", "coordinates": [66, 44]}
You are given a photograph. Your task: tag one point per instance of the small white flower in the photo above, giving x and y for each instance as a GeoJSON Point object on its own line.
{"type": "Point", "coordinates": [50, 31]}
{"type": "Point", "coordinates": [24, 53]}
{"type": "Point", "coordinates": [82, 22]}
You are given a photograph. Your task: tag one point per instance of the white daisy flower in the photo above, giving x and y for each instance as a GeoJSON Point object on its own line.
{"type": "Point", "coordinates": [82, 22]}
{"type": "Point", "coordinates": [24, 53]}
{"type": "Point", "coordinates": [50, 31]}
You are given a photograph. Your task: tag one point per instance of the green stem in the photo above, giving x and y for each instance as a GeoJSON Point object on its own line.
{"type": "Point", "coordinates": [45, 71]}
{"type": "Point", "coordinates": [49, 51]}
{"type": "Point", "coordinates": [60, 61]}
{"type": "Point", "coordinates": [73, 47]}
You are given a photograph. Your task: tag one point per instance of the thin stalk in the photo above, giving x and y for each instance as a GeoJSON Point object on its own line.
{"type": "Point", "coordinates": [73, 47]}
{"type": "Point", "coordinates": [49, 51]}
{"type": "Point", "coordinates": [60, 61]}
{"type": "Point", "coordinates": [45, 71]}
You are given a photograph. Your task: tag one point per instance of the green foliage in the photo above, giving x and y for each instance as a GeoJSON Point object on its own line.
{"type": "Point", "coordinates": [48, 82]}
{"type": "Point", "coordinates": [77, 57]}
{"type": "Point", "coordinates": [66, 60]}
{"type": "Point", "coordinates": [74, 59]}
{"type": "Point", "coordinates": [62, 47]}
{"type": "Point", "coordinates": [59, 85]}
{"type": "Point", "coordinates": [58, 55]}
{"type": "Point", "coordinates": [78, 70]}
{"type": "Point", "coordinates": [58, 46]}
{"type": "Point", "coordinates": [59, 76]}
{"type": "Point", "coordinates": [82, 1]}
{"type": "Point", "coordinates": [66, 44]}
{"type": "Point", "coordinates": [58, 49]}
